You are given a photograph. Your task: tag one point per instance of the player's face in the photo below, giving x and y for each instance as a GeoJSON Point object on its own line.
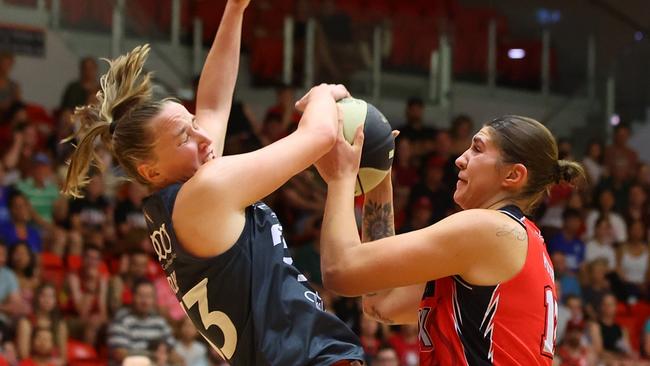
{"type": "Point", "coordinates": [181, 147]}
{"type": "Point", "coordinates": [480, 176]}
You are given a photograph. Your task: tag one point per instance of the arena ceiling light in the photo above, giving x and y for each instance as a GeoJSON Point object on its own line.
{"type": "Point", "coordinates": [516, 53]}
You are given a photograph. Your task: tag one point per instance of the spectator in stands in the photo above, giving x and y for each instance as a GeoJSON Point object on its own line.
{"type": "Point", "coordinates": [93, 211]}
{"type": "Point", "coordinates": [82, 91]}
{"type": "Point", "coordinates": [87, 290]}
{"type": "Point", "coordinates": [121, 285]}
{"type": "Point", "coordinates": [633, 259]}
{"type": "Point", "coordinates": [568, 241]}
{"type": "Point", "coordinates": [46, 315]}
{"type": "Point", "coordinates": [285, 107]}
{"type": "Point", "coordinates": [637, 207]}
{"type": "Point", "coordinates": [596, 286]}
{"type": "Point", "coordinates": [563, 313]}
{"type": "Point", "coordinates": [461, 131]}
{"type": "Point", "coordinates": [307, 256]}
{"type": "Point", "coordinates": [135, 328]}
{"type": "Point", "coordinates": [619, 157]}
{"type": "Point", "coordinates": [369, 336]}
{"type": "Point", "coordinates": [386, 356]}
{"type": "Point", "coordinates": [572, 351]}
{"type": "Point", "coordinates": [421, 213]}
{"type": "Point", "coordinates": [42, 349]}
{"type": "Point", "coordinates": [434, 188]}
{"type": "Point", "coordinates": [11, 304]}
{"type": "Point", "coordinates": [414, 128]}
{"type": "Point", "coordinates": [404, 170]}
{"type": "Point", "coordinates": [190, 350]}
{"type": "Point", "coordinates": [593, 162]}
{"type": "Point", "coordinates": [272, 129]}
{"type": "Point", "coordinates": [610, 341]}
{"type": "Point", "coordinates": [20, 228]}
{"type": "Point", "coordinates": [9, 89]}
{"type": "Point", "coordinates": [244, 130]}
{"type": "Point", "coordinates": [605, 209]}
{"type": "Point", "coordinates": [128, 211]}
{"type": "Point", "coordinates": [602, 244]}
{"type": "Point", "coordinates": [40, 187]}
{"type": "Point", "coordinates": [568, 280]}
{"type": "Point", "coordinates": [23, 262]}
{"type": "Point", "coordinates": [162, 354]}
{"type": "Point", "coordinates": [406, 343]}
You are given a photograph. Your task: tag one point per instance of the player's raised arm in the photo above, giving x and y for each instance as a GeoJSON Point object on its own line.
{"type": "Point", "coordinates": [219, 74]}
{"type": "Point", "coordinates": [397, 305]}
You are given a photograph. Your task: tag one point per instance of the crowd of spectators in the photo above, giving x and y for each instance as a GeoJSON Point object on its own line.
{"type": "Point", "coordinates": [79, 283]}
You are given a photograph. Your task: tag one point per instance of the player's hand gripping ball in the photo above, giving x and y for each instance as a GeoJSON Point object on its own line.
{"type": "Point", "coordinates": [378, 144]}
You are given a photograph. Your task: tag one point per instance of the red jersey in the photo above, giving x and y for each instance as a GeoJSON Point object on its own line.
{"type": "Point", "coordinates": [511, 323]}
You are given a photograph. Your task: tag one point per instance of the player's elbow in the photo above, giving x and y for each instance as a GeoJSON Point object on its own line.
{"type": "Point", "coordinates": [336, 280]}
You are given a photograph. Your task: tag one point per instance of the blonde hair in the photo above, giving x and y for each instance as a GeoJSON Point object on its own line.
{"type": "Point", "coordinates": [119, 119]}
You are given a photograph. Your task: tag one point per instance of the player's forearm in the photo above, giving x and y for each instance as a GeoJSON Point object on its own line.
{"type": "Point", "coordinates": [378, 222]}
{"type": "Point", "coordinates": [338, 234]}
{"type": "Point", "coordinates": [217, 83]}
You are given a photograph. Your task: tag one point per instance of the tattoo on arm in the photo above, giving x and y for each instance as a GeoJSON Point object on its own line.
{"type": "Point", "coordinates": [378, 221]}
{"type": "Point", "coordinates": [516, 232]}
{"type": "Point", "coordinates": [375, 314]}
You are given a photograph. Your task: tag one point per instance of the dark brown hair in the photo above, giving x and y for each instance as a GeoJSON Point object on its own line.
{"type": "Point", "coordinates": [525, 141]}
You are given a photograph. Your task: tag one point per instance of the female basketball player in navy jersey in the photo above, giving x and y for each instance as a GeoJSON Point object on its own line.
{"type": "Point", "coordinates": [222, 250]}
{"type": "Point", "coordinates": [480, 282]}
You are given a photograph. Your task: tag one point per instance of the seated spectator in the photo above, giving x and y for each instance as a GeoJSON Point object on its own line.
{"type": "Point", "coordinates": [633, 260]}
{"type": "Point", "coordinates": [42, 349]}
{"type": "Point", "coordinates": [46, 315]}
{"type": "Point", "coordinates": [610, 341]}
{"type": "Point", "coordinates": [369, 337]}
{"type": "Point", "coordinates": [24, 264]}
{"type": "Point", "coordinates": [87, 292]}
{"type": "Point", "coordinates": [40, 187]}
{"type": "Point", "coordinates": [621, 162]}
{"type": "Point", "coordinates": [596, 286]}
{"type": "Point", "coordinates": [568, 279]}
{"type": "Point", "coordinates": [461, 132]}
{"type": "Point", "coordinates": [605, 209]}
{"type": "Point", "coordinates": [414, 128]}
{"type": "Point", "coordinates": [93, 211]}
{"type": "Point", "coordinates": [9, 89]}
{"type": "Point", "coordinates": [189, 348]}
{"type": "Point", "coordinates": [11, 304]}
{"type": "Point", "coordinates": [593, 162]}
{"type": "Point", "coordinates": [134, 328]}
{"type": "Point", "coordinates": [638, 207]}
{"type": "Point", "coordinates": [405, 170]}
{"type": "Point", "coordinates": [386, 356]}
{"type": "Point", "coordinates": [244, 130]}
{"type": "Point", "coordinates": [568, 241]}
{"type": "Point", "coordinates": [434, 188]}
{"type": "Point", "coordinates": [285, 108]}
{"type": "Point", "coordinates": [128, 211]}
{"type": "Point", "coordinates": [420, 215]}
{"type": "Point", "coordinates": [572, 352]}
{"type": "Point", "coordinates": [20, 228]}
{"type": "Point", "coordinates": [162, 354]}
{"type": "Point", "coordinates": [121, 285]}
{"type": "Point", "coordinates": [82, 91]}
{"type": "Point", "coordinates": [602, 244]}
{"type": "Point", "coordinates": [406, 343]}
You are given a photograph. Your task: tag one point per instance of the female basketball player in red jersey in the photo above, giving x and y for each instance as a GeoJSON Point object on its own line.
{"type": "Point", "coordinates": [481, 278]}
{"type": "Point", "coordinates": [222, 251]}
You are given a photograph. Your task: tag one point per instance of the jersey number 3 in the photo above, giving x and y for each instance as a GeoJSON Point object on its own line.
{"type": "Point", "coordinates": [199, 294]}
{"type": "Point", "coordinates": [548, 338]}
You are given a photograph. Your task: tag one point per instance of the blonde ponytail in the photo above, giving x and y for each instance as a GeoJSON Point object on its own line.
{"type": "Point", "coordinates": [118, 118]}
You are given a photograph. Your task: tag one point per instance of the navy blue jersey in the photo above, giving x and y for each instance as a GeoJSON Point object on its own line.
{"type": "Point", "coordinates": [250, 303]}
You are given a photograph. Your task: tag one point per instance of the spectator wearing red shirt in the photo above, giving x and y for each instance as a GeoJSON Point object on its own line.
{"type": "Point", "coordinates": [407, 345]}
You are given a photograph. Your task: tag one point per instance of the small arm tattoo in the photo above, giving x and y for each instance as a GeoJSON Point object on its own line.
{"type": "Point", "coordinates": [516, 232]}
{"type": "Point", "coordinates": [375, 314]}
{"type": "Point", "coordinates": [378, 220]}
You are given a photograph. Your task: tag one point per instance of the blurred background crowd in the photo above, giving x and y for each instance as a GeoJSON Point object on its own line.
{"type": "Point", "coordinates": [79, 284]}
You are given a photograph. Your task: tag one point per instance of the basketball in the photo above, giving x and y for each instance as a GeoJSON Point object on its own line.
{"type": "Point", "coordinates": [378, 145]}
